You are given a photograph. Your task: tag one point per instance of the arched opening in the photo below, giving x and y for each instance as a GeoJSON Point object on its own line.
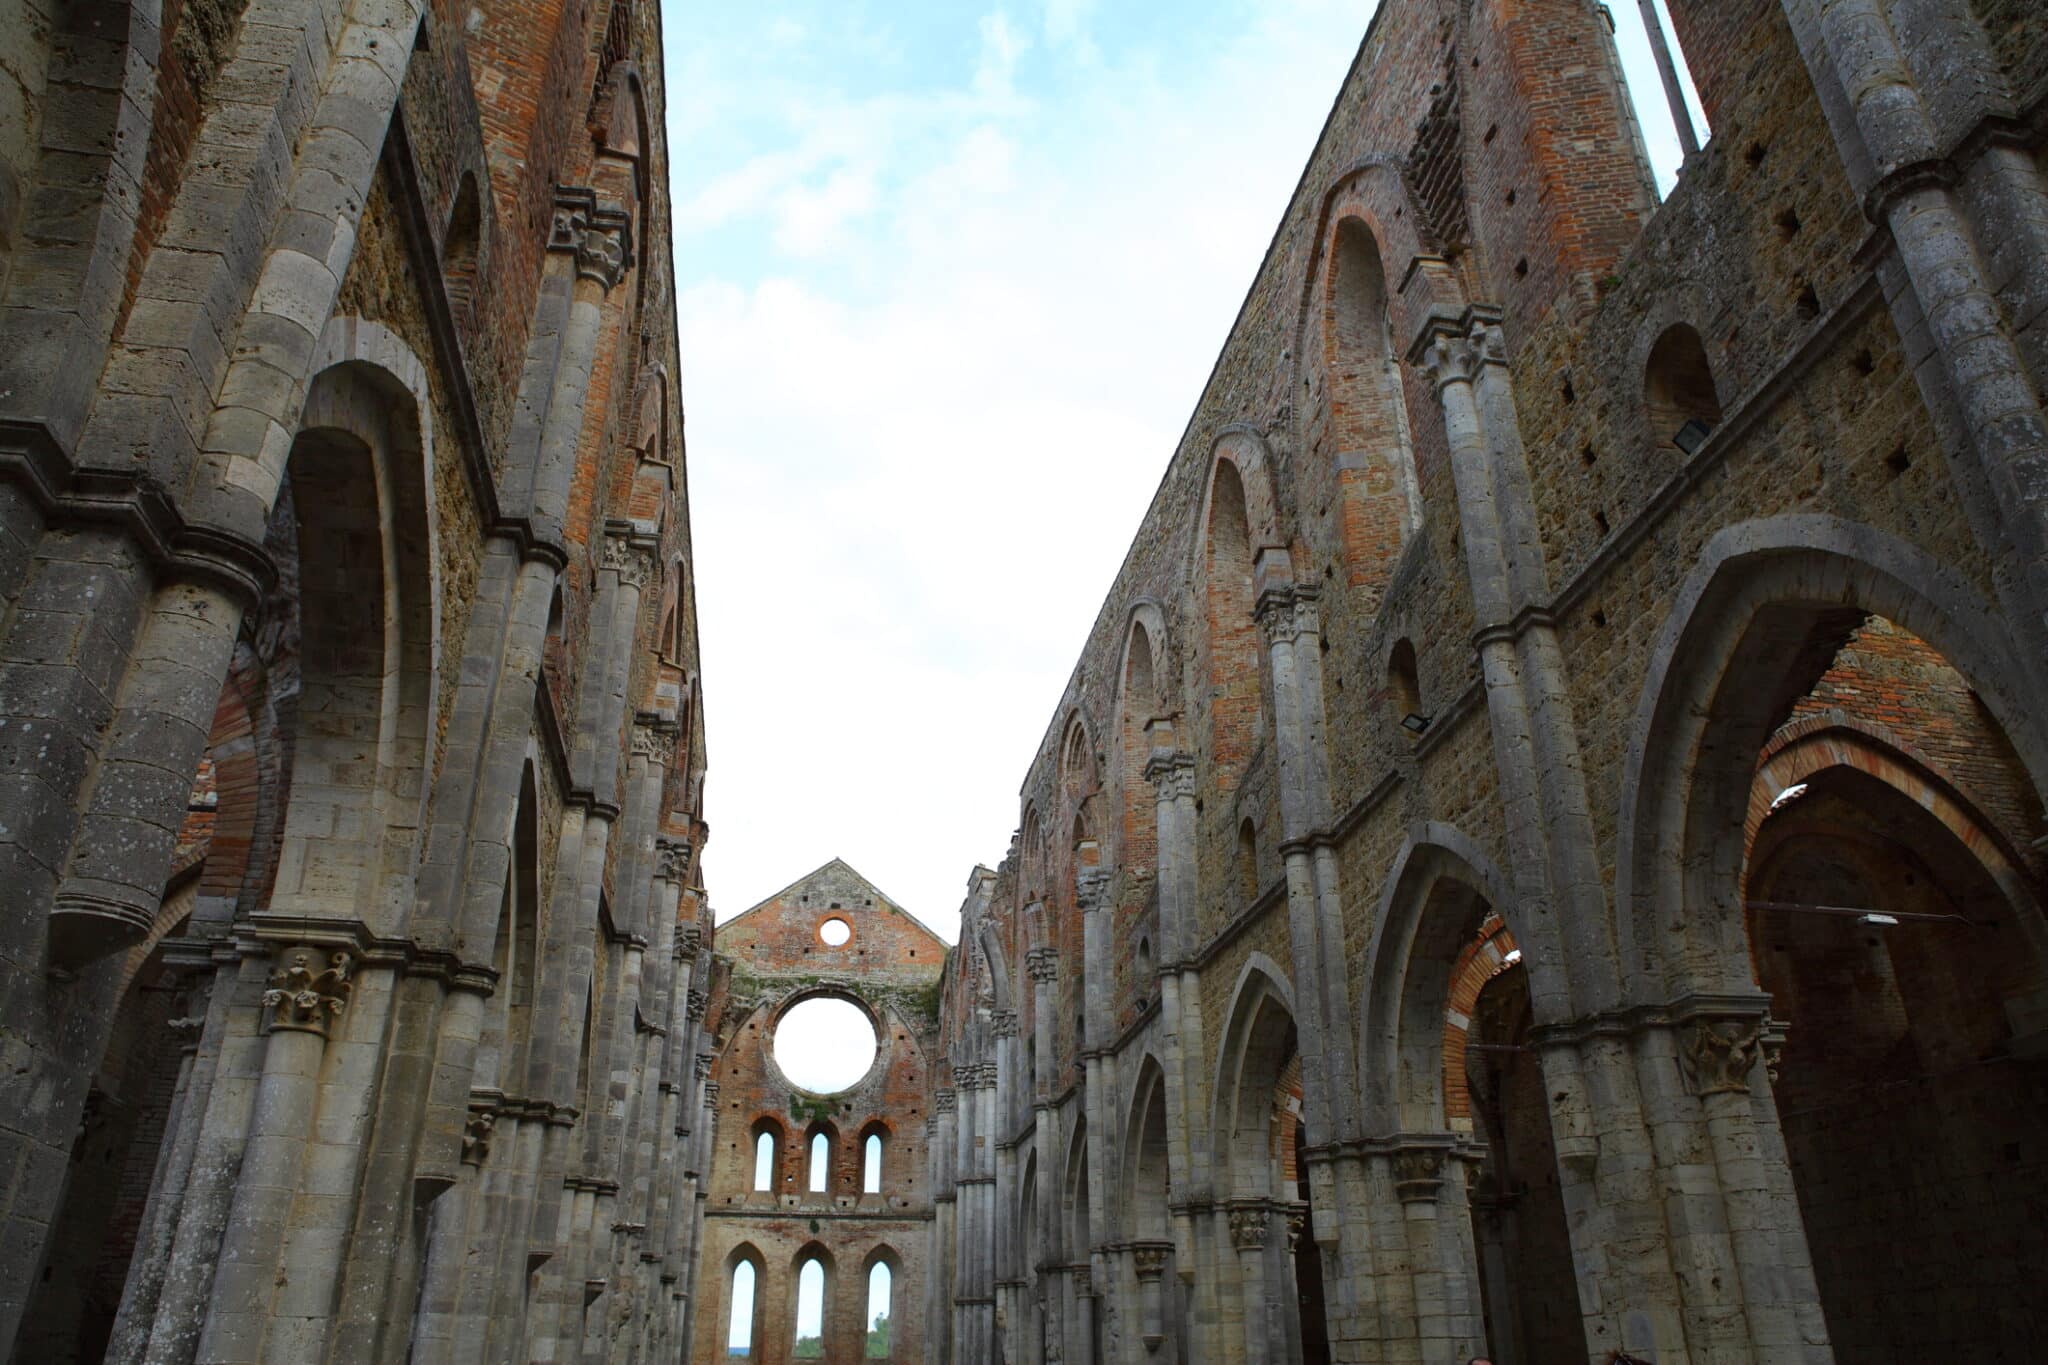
{"type": "Point", "coordinates": [1236, 684]}
{"type": "Point", "coordinates": [767, 1139]}
{"type": "Point", "coordinates": [1260, 1130]}
{"type": "Point", "coordinates": [508, 1021]}
{"type": "Point", "coordinates": [1493, 1087]}
{"type": "Point", "coordinates": [876, 1321]}
{"type": "Point", "coordinates": [1678, 390]}
{"type": "Point", "coordinates": [742, 1311]}
{"type": "Point", "coordinates": [871, 1162]}
{"type": "Point", "coordinates": [1375, 468]}
{"type": "Point", "coordinates": [1148, 1191]}
{"type": "Point", "coordinates": [1140, 704]}
{"type": "Point", "coordinates": [820, 1164]}
{"type": "Point", "coordinates": [459, 244]}
{"type": "Point", "coordinates": [1888, 916]}
{"type": "Point", "coordinates": [1827, 777]}
{"type": "Point", "coordinates": [810, 1309]}
{"type": "Point", "coordinates": [1404, 690]}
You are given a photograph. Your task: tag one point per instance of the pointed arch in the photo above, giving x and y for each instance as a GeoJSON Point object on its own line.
{"type": "Point", "coordinates": [1735, 648]}
{"type": "Point", "coordinates": [1258, 1042]}
{"type": "Point", "coordinates": [1147, 1185]}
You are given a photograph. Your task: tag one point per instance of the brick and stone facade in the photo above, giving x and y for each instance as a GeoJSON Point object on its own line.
{"type": "Point", "coordinates": [350, 755]}
{"type": "Point", "coordinates": [1542, 853]}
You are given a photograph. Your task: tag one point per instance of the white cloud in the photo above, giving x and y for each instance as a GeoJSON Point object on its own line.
{"type": "Point", "coordinates": [920, 446]}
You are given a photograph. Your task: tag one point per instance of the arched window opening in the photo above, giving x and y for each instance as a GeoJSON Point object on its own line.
{"type": "Point", "coordinates": [1236, 699]}
{"type": "Point", "coordinates": [764, 1161]}
{"type": "Point", "coordinates": [1678, 390]}
{"type": "Point", "coordinates": [1140, 835]}
{"type": "Point", "coordinates": [810, 1310]}
{"type": "Point", "coordinates": [1380, 502]}
{"type": "Point", "coordinates": [501, 1051]}
{"type": "Point", "coordinates": [739, 1332]}
{"type": "Point", "coordinates": [459, 250]}
{"type": "Point", "coordinates": [1247, 862]}
{"type": "Point", "coordinates": [880, 1284]}
{"type": "Point", "coordinates": [871, 1164]}
{"type": "Point", "coordinates": [1404, 690]}
{"type": "Point", "coordinates": [821, 1162]}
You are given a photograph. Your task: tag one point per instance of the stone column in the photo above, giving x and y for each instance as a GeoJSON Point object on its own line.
{"type": "Point", "coordinates": [1099, 1089]}
{"type": "Point", "coordinates": [308, 993]}
{"type": "Point", "coordinates": [1248, 1229]}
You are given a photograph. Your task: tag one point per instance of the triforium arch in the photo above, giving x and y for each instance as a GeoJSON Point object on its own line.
{"type": "Point", "coordinates": [1238, 545]}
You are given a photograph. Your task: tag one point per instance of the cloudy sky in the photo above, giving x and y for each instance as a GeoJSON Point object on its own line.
{"type": "Point", "coordinates": [950, 282]}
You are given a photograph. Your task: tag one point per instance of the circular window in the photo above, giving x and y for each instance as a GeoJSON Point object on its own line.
{"type": "Point", "coordinates": [835, 932]}
{"type": "Point", "coordinates": [825, 1044]}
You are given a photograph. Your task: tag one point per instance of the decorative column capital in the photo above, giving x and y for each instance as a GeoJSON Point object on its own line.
{"type": "Point", "coordinates": [1418, 1174]}
{"type": "Point", "coordinates": [309, 989]}
{"type": "Point", "coordinates": [1042, 964]}
{"type": "Point", "coordinates": [1248, 1225]}
{"type": "Point", "coordinates": [1091, 889]}
{"type": "Point", "coordinates": [1084, 1282]}
{"type": "Point", "coordinates": [943, 1100]}
{"type": "Point", "coordinates": [599, 236]}
{"type": "Point", "coordinates": [1149, 1258]}
{"type": "Point", "coordinates": [1288, 612]}
{"type": "Point", "coordinates": [1172, 774]}
{"type": "Point", "coordinates": [653, 743]}
{"type": "Point", "coordinates": [688, 941]}
{"type": "Point", "coordinates": [672, 864]}
{"type": "Point", "coordinates": [694, 1006]}
{"type": "Point", "coordinates": [1297, 1224]}
{"type": "Point", "coordinates": [710, 1094]}
{"type": "Point", "coordinates": [703, 1062]}
{"type": "Point", "coordinates": [624, 555]}
{"type": "Point", "coordinates": [1003, 1023]}
{"type": "Point", "coordinates": [1719, 1053]}
{"type": "Point", "coordinates": [476, 1136]}
{"type": "Point", "coordinates": [1454, 353]}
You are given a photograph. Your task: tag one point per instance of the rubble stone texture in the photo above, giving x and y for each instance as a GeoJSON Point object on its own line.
{"type": "Point", "coordinates": [1542, 854]}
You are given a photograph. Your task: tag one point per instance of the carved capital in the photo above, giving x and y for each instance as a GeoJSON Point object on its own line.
{"type": "Point", "coordinates": [476, 1136]}
{"type": "Point", "coordinates": [600, 237]}
{"type": "Point", "coordinates": [632, 562]}
{"type": "Point", "coordinates": [1288, 613]}
{"type": "Point", "coordinates": [1043, 964]}
{"type": "Point", "coordinates": [1084, 1282]}
{"type": "Point", "coordinates": [1003, 1023]}
{"type": "Point", "coordinates": [694, 1006]}
{"type": "Point", "coordinates": [1091, 889]}
{"type": "Point", "coordinates": [1172, 774]}
{"type": "Point", "coordinates": [943, 1101]}
{"type": "Point", "coordinates": [308, 990]}
{"type": "Point", "coordinates": [672, 864]}
{"type": "Point", "coordinates": [1454, 357]}
{"type": "Point", "coordinates": [1248, 1227]}
{"type": "Point", "coordinates": [703, 1062]}
{"type": "Point", "coordinates": [1297, 1224]}
{"type": "Point", "coordinates": [1149, 1258]}
{"type": "Point", "coordinates": [711, 1094]}
{"type": "Point", "coordinates": [1418, 1174]}
{"type": "Point", "coordinates": [689, 941]}
{"type": "Point", "coordinates": [1718, 1054]}
{"type": "Point", "coordinates": [654, 744]}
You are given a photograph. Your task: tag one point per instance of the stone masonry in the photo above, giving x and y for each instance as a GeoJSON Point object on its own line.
{"type": "Point", "coordinates": [351, 759]}
{"type": "Point", "coordinates": [1542, 854]}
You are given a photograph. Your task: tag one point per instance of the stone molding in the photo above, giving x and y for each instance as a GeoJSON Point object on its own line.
{"type": "Point", "coordinates": [600, 236]}
{"type": "Point", "coordinates": [1248, 1225]}
{"type": "Point", "coordinates": [309, 990]}
{"type": "Point", "coordinates": [1289, 612]}
{"type": "Point", "coordinates": [1172, 773]}
{"type": "Point", "coordinates": [1718, 1054]}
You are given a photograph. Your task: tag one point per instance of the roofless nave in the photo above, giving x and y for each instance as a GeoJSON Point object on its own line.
{"type": "Point", "coordinates": [1541, 855]}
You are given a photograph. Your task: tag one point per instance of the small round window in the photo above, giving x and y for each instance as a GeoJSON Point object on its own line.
{"type": "Point", "coordinates": [835, 932]}
{"type": "Point", "coordinates": [825, 1044]}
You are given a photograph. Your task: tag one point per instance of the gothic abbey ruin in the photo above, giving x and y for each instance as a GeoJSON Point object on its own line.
{"type": "Point", "coordinates": [1542, 855]}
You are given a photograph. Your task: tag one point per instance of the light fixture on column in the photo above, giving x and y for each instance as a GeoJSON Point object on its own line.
{"type": "Point", "coordinates": [1692, 435]}
{"type": "Point", "coordinates": [1415, 722]}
